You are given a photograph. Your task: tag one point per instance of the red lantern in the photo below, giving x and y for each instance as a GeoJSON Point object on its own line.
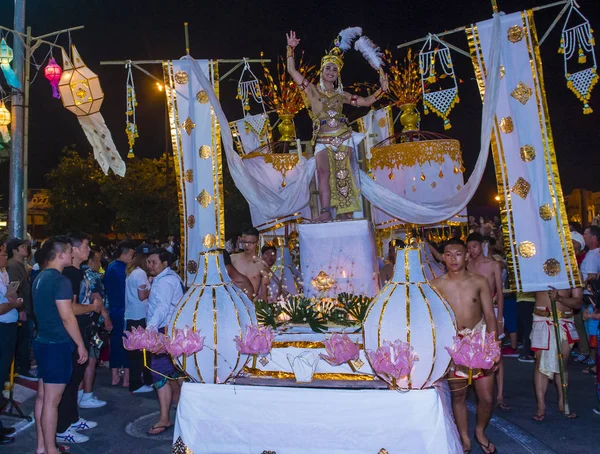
{"type": "Point", "coordinates": [53, 72]}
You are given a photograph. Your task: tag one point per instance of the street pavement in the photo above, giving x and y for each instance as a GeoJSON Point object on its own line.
{"type": "Point", "coordinates": [122, 423]}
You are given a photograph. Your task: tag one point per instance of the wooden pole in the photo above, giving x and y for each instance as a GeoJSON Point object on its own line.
{"type": "Point", "coordinates": [561, 360]}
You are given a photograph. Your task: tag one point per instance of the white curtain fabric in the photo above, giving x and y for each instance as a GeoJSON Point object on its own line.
{"type": "Point", "coordinates": [273, 203]}
{"type": "Point", "coordinates": [252, 419]}
{"type": "Point", "coordinates": [433, 212]}
{"type": "Point", "coordinates": [105, 150]}
{"type": "Point", "coordinates": [247, 138]}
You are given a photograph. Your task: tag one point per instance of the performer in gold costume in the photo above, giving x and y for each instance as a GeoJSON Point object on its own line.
{"type": "Point", "coordinates": [337, 169]}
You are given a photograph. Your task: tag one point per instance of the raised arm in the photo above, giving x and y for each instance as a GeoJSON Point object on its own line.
{"type": "Point", "coordinates": [292, 42]}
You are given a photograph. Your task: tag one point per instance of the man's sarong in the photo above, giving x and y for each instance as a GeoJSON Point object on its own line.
{"type": "Point", "coordinates": [543, 338]}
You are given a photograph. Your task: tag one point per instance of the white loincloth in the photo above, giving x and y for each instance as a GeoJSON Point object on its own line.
{"type": "Point", "coordinates": [543, 340]}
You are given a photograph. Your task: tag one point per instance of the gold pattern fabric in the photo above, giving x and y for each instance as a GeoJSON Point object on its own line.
{"type": "Point", "coordinates": [191, 221]}
{"type": "Point", "coordinates": [181, 77]}
{"type": "Point", "coordinates": [506, 125]}
{"type": "Point", "coordinates": [522, 93]}
{"type": "Point", "coordinates": [205, 152]}
{"type": "Point", "coordinates": [202, 97]}
{"type": "Point", "coordinates": [209, 241]}
{"type": "Point", "coordinates": [188, 125]}
{"type": "Point", "coordinates": [547, 212]}
{"type": "Point", "coordinates": [192, 267]}
{"type": "Point", "coordinates": [526, 249]}
{"type": "Point", "coordinates": [204, 198]}
{"type": "Point", "coordinates": [521, 188]}
{"type": "Point", "coordinates": [552, 267]}
{"type": "Point", "coordinates": [409, 154]}
{"type": "Point", "coordinates": [515, 33]}
{"type": "Point", "coordinates": [527, 153]}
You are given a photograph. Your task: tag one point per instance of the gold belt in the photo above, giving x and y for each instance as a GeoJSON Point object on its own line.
{"type": "Point", "coordinates": [335, 140]}
{"type": "Point", "coordinates": [545, 313]}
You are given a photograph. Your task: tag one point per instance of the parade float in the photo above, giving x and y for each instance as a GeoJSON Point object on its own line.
{"type": "Point", "coordinates": [340, 362]}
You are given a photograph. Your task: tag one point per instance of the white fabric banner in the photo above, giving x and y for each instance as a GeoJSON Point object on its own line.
{"type": "Point", "coordinates": [535, 224]}
{"type": "Point", "coordinates": [291, 420]}
{"type": "Point", "coordinates": [377, 125]}
{"type": "Point", "coordinates": [435, 212]}
{"type": "Point", "coordinates": [195, 135]}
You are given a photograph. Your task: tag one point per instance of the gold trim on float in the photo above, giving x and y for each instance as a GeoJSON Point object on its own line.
{"type": "Point", "coordinates": [218, 162]}
{"type": "Point", "coordinates": [554, 185]}
{"type": "Point", "coordinates": [316, 376]}
{"type": "Point", "coordinates": [433, 334]}
{"type": "Point", "coordinates": [303, 344]}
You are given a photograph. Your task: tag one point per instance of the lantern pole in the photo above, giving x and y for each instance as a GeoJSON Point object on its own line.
{"type": "Point", "coordinates": [17, 192]}
{"type": "Point", "coordinates": [24, 45]}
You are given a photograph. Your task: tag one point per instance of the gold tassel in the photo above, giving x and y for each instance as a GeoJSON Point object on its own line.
{"type": "Point", "coordinates": [431, 79]}
{"type": "Point", "coordinates": [561, 49]}
{"type": "Point", "coordinates": [587, 109]}
{"type": "Point", "coordinates": [582, 58]}
{"type": "Point", "coordinates": [441, 174]}
{"type": "Point", "coordinates": [447, 124]}
{"type": "Point", "coordinates": [423, 178]}
{"type": "Point", "coordinates": [456, 169]}
{"type": "Point", "coordinates": [391, 176]}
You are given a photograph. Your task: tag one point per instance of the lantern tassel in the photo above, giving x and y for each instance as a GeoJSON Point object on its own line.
{"type": "Point", "coordinates": [55, 92]}
{"type": "Point", "coordinates": [5, 134]}
{"type": "Point", "coordinates": [102, 142]}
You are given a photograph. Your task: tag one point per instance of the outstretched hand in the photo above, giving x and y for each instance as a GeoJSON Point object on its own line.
{"type": "Point", "coordinates": [291, 39]}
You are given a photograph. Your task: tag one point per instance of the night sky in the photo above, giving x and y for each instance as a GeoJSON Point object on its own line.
{"type": "Point", "coordinates": [149, 29]}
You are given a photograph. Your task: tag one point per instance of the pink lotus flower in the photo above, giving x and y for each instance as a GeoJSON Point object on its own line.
{"type": "Point", "coordinates": [145, 339]}
{"type": "Point", "coordinates": [475, 351]}
{"type": "Point", "coordinates": [185, 342]}
{"type": "Point", "coordinates": [340, 349]}
{"type": "Point", "coordinates": [257, 340]}
{"type": "Point", "coordinates": [134, 338]}
{"type": "Point", "coordinates": [393, 360]}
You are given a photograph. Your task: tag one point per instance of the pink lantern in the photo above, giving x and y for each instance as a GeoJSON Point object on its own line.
{"type": "Point", "coordinates": [53, 72]}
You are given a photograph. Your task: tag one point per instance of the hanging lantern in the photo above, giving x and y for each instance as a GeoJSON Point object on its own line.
{"type": "Point", "coordinates": [79, 86]}
{"type": "Point", "coordinates": [4, 122]}
{"type": "Point", "coordinates": [4, 115]}
{"type": "Point", "coordinates": [53, 72]}
{"type": "Point", "coordinates": [6, 56]}
{"type": "Point", "coordinates": [81, 93]}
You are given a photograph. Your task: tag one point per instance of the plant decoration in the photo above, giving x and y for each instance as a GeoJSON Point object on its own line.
{"type": "Point", "coordinates": [302, 310]}
{"type": "Point", "coordinates": [283, 95]}
{"type": "Point", "coordinates": [404, 80]}
{"type": "Point", "coordinates": [355, 306]}
{"type": "Point", "coordinates": [267, 313]}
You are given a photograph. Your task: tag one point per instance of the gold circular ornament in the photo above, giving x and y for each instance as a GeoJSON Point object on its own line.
{"type": "Point", "coordinates": [506, 125]}
{"type": "Point", "coordinates": [527, 153]}
{"type": "Point", "coordinates": [547, 212]}
{"type": "Point", "coordinates": [515, 33]}
{"type": "Point", "coordinates": [192, 267]}
{"type": "Point", "coordinates": [205, 152]}
{"type": "Point", "coordinates": [391, 175]}
{"type": "Point", "coordinates": [189, 176]}
{"type": "Point", "coordinates": [181, 77]}
{"type": "Point", "coordinates": [382, 122]}
{"type": "Point", "coordinates": [202, 97]}
{"type": "Point", "coordinates": [526, 249]}
{"type": "Point", "coordinates": [552, 267]}
{"type": "Point", "coordinates": [209, 241]}
{"type": "Point", "coordinates": [191, 221]}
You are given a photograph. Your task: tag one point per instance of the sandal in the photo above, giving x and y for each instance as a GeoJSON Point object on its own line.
{"type": "Point", "coordinates": [538, 418]}
{"type": "Point", "coordinates": [486, 448]}
{"type": "Point", "coordinates": [164, 429]}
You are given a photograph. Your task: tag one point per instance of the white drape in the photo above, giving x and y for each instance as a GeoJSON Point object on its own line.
{"type": "Point", "coordinates": [434, 212]}
{"type": "Point", "coordinates": [273, 203]}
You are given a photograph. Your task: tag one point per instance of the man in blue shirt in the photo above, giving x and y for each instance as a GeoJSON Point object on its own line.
{"type": "Point", "coordinates": [53, 346]}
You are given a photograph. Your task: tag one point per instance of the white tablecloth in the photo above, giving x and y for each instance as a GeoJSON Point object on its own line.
{"type": "Point", "coordinates": [253, 419]}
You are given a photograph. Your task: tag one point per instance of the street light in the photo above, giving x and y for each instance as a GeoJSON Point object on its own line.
{"type": "Point", "coordinates": [497, 198]}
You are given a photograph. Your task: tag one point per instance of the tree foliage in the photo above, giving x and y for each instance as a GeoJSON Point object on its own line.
{"type": "Point", "coordinates": [144, 202]}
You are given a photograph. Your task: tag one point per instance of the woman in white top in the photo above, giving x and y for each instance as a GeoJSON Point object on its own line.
{"type": "Point", "coordinates": [137, 289]}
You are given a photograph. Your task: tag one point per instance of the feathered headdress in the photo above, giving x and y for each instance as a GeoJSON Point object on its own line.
{"type": "Point", "coordinates": [370, 51]}
{"type": "Point", "coordinates": [342, 43]}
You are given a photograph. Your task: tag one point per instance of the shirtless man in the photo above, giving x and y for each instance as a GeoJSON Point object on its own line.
{"type": "Point", "coordinates": [543, 342]}
{"type": "Point", "coordinates": [238, 278]}
{"type": "Point", "coordinates": [492, 271]}
{"type": "Point", "coordinates": [470, 297]}
{"type": "Point", "coordinates": [248, 262]}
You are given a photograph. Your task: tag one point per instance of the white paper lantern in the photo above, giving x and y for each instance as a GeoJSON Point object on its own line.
{"type": "Point", "coordinates": [409, 308]}
{"type": "Point", "coordinates": [219, 311]}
